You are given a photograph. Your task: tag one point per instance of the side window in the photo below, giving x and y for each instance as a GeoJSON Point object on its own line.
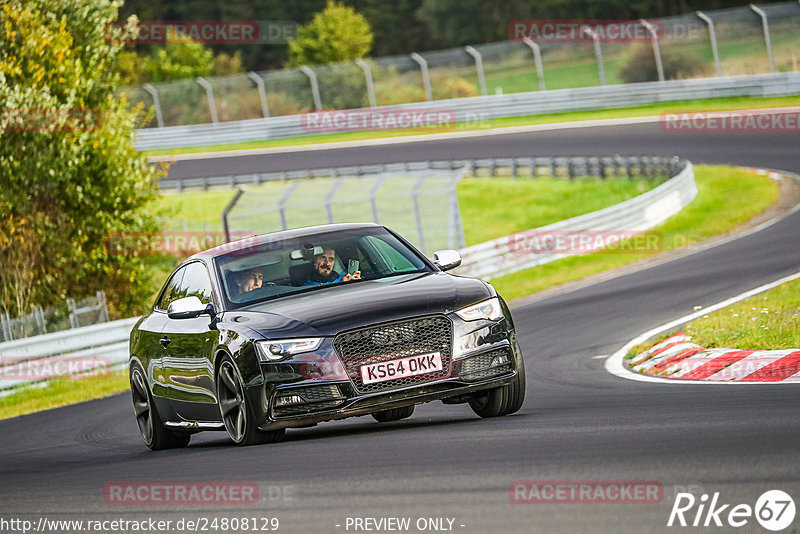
{"type": "Point", "coordinates": [171, 291]}
{"type": "Point", "coordinates": [196, 282]}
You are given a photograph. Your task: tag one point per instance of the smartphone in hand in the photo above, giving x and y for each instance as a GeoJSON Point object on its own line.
{"type": "Point", "coordinates": [352, 266]}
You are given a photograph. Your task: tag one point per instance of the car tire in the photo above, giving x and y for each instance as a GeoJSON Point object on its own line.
{"type": "Point", "coordinates": [151, 427]}
{"type": "Point", "coordinates": [395, 414]}
{"type": "Point", "coordinates": [503, 400]}
{"type": "Point", "coordinates": [237, 414]}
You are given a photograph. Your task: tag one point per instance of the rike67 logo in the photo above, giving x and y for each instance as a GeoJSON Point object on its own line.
{"type": "Point", "coordinates": [774, 510]}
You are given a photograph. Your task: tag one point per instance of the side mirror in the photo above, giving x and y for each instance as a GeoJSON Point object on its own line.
{"type": "Point", "coordinates": [188, 308]}
{"type": "Point", "coordinates": [446, 259]}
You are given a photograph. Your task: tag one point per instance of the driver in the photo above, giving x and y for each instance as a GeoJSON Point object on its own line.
{"type": "Point", "coordinates": [322, 270]}
{"type": "Point", "coordinates": [248, 280]}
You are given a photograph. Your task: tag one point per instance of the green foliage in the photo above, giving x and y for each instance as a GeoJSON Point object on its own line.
{"type": "Point", "coordinates": [69, 172]}
{"type": "Point", "coordinates": [336, 34]}
{"type": "Point", "coordinates": [179, 60]}
{"type": "Point", "coordinates": [640, 66]}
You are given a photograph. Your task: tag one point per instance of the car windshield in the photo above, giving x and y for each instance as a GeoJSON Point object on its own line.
{"type": "Point", "coordinates": [279, 268]}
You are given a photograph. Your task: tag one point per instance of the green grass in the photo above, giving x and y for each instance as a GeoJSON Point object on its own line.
{"type": "Point", "coordinates": [496, 207]}
{"type": "Point", "coordinates": [713, 104]}
{"type": "Point", "coordinates": [726, 198]}
{"type": "Point", "coordinates": [767, 321]}
{"type": "Point", "coordinates": [62, 392]}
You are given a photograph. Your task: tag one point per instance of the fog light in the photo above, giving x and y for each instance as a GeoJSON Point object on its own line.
{"type": "Point", "coordinates": [288, 399]}
{"type": "Point", "coordinates": [499, 360]}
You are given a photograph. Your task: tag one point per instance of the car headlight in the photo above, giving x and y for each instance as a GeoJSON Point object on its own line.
{"type": "Point", "coordinates": [488, 309]}
{"type": "Point", "coordinates": [280, 349]}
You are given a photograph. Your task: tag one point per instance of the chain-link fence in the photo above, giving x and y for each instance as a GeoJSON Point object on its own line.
{"type": "Point", "coordinates": [420, 205]}
{"type": "Point", "coordinates": [744, 40]}
{"type": "Point", "coordinates": [73, 314]}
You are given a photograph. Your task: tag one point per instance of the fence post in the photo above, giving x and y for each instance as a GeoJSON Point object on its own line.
{"type": "Point", "coordinates": [312, 77]}
{"type": "Point", "coordinates": [426, 78]}
{"type": "Point", "coordinates": [767, 40]}
{"type": "Point", "coordinates": [373, 197]}
{"type": "Point", "coordinates": [656, 49]}
{"type": "Point", "coordinates": [103, 305]}
{"type": "Point", "coordinates": [601, 70]}
{"type": "Point", "coordinates": [5, 321]}
{"type": "Point", "coordinates": [212, 107]}
{"type": "Point", "coordinates": [368, 77]}
{"type": "Point", "coordinates": [282, 203]}
{"type": "Point", "coordinates": [225, 228]}
{"type": "Point", "coordinates": [713, 36]}
{"type": "Point", "coordinates": [455, 234]}
{"type": "Point", "coordinates": [478, 67]}
{"type": "Point", "coordinates": [157, 102]}
{"type": "Point", "coordinates": [417, 212]}
{"type": "Point", "coordinates": [537, 56]}
{"type": "Point", "coordinates": [329, 198]}
{"type": "Point", "coordinates": [262, 92]}
{"type": "Point", "coordinates": [38, 314]}
{"type": "Point", "coordinates": [73, 317]}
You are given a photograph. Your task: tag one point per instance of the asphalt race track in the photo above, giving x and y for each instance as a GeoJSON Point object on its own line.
{"type": "Point", "coordinates": [579, 423]}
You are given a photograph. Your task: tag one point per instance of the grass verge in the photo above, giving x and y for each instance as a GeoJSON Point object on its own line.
{"type": "Point", "coordinates": [726, 198]}
{"type": "Point", "coordinates": [62, 392]}
{"type": "Point", "coordinates": [684, 106]}
{"type": "Point", "coordinates": [768, 321]}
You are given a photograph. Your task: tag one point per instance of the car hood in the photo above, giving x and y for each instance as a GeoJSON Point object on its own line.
{"type": "Point", "coordinates": [329, 310]}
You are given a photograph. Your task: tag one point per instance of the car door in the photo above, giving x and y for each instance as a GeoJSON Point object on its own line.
{"type": "Point", "coordinates": [189, 345]}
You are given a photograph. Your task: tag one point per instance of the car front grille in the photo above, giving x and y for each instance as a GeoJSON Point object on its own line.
{"type": "Point", "coordinates": [478, 367]}
{"type": "Point", "coordinates": [390, 341]}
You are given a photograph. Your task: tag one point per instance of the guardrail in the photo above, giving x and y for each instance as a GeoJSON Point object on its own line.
{"type": "Point", "coordinates": [505, 255]}
{"type": "Point", "coordinates": [69, 352]}
{"type": "Point", "coordinates": [551, 167]}
{"type": "Point", "coordinates": [486, 107]}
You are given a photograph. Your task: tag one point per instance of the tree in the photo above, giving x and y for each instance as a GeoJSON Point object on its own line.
{"type": "Point", "coordinates": [70, 176]}
{"type": "Point", "coordinates": [335, 34]}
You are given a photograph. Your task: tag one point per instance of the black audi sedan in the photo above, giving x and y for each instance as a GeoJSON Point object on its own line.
{"type": "Point", "coordinates": [298, 327]}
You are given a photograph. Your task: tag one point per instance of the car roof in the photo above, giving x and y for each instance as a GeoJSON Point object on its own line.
{"type": "Point", "coordinates": [308, 231]}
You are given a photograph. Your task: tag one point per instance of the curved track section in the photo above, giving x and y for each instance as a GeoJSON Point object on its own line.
{"type": "Point", "coordinates": [578, 423]}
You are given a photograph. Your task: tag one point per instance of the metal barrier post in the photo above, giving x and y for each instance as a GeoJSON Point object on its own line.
{"type": "Point", "coordinates": [373, 197]}
{"type": "Point", "coordinates": [157, 102]}
{"type": "Point", "coordinates": [478, 67]}
{"type": "Point", "coordinates": [262, 92]}
{"type": "Point", "coordinates": [417, 212]}
{"type": "Point", "coordinates": [212, 107]}
{"type": "Point", "coordinates": [767, 40]}
{"type": "Point", "coordinates": [312, 77]}
{"type": "Point", "coordinates": [656, 49]}
{"type": "Point", "coordinates": [329, 198]}
{"type": "Point", "coordinates": [601, 70]}
{"type": "Point", "coordinates": [226, 211]}
{"type": "Point", "coordinates": [282, 204]}
{"type": "Point", "coordinates": [537, 56]}
{"type": "Point", "coordinates": [713, 36]}
{"type": "Point", "coordinates": [368, 77]}
{"type": "Point", "coordinates": [426, 78]}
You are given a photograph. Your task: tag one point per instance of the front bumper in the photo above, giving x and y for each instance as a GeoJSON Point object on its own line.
{"type": "Point", "coordinates": [496, 366]}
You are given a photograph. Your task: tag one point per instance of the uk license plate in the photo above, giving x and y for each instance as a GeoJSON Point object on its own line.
{"type": "Point", "coordinates": [401, 368]}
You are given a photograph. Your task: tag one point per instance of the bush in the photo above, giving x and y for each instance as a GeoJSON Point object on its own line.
{"type": "Point", "coordinates": [640, 66]}
{"type": "Point", "coordinates": [454, 88]}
